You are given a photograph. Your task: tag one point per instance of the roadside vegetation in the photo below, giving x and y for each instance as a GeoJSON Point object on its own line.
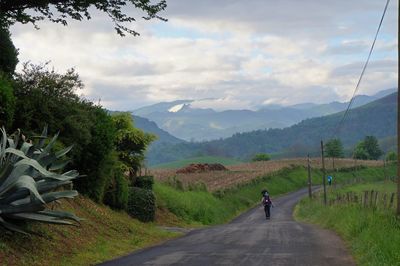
{"type": "Point", "coordinates": [370, 228]}
{"type": "Point", "coordinates": [194, 204]}
{"type": "Point", "coordinates": [102, 235]}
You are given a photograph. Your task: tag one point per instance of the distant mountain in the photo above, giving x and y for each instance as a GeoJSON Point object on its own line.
{"type": "Point", "coordinates": [151, 127]}
{"type": "Point", "coordinates": [182, 120]}
{"type": "Point", "coordinates": [376, 118]}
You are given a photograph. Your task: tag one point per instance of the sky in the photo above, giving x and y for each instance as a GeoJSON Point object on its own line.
{"type": "Point", "coordinates": [238, 54]}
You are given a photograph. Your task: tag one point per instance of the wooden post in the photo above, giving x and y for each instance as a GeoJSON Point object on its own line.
{"type": "Point", "coordinates": [391, 200]}
{"type": "Point", "coordinates": [365, 199]}
{"type": "Point", "coordinates": [384, 200]}
{"type": "Point", "coordinates": [309, 176]}
{"type": "Point", "coordinates": [323, 170]}
{"type": "Point", "coordinates": [398, 120]}
{"type": "Point", "coordinates": [384, 169]}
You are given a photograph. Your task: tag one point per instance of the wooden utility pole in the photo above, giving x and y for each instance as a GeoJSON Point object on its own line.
{"type": "Point", "coordinates": [398, 119]}
{"type": "Point", "coordinates": [309, 176]}
{"type": "Point", "coordinates": [323, 170]}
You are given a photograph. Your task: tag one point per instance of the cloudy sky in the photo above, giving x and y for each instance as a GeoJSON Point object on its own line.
{"type": "Point", "coordinates": [241, 53]}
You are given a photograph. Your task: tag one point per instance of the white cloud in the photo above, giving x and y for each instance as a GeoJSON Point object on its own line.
{"type": "Point", "coordinates": [242, 53]}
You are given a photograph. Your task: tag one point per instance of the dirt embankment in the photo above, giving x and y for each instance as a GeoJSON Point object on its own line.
{"type": "Point", "coordinates": [201, 168]}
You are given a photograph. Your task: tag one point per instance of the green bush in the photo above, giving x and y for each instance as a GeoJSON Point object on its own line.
{"type": "Point", "coordinates": [261, 157]}
{"type": "Point", "coordinates": [7, 102]}
{"type": "Point", "coordinates": [141, 204]}
{"type": "Point", "coordinates": [391, 156]}
{"type": "Point", "coordinates": [145, 182]}
{"type": "Point", "coordinates": [117, 193]}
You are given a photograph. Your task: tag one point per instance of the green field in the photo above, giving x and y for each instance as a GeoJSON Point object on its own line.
{"type": "Point", "coordinates": [201, 159]}
{"type": "Point", "coordinates": [373, 234]}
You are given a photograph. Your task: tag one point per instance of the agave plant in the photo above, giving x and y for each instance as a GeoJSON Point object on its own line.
{"type": "Point", "coordinates": [30, 175]}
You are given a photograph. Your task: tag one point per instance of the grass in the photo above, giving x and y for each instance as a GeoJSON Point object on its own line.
{"type": "Point", "coordinates": [103, 235]}
{"type": "Point", "coordinates": [201, 206]}
{"type": "Point", "coordinates": [201, 159]}
{"type": "Point", "coordinates": [373, 234]}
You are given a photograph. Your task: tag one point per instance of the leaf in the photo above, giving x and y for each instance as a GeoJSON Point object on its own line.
{"type": "Point", "coordinates": [62, 215]}
{"type": "Point", "coordinates": [59, 165]}
{"type": "Point", "coordinates": [12, 227]}
{"type": "Point", "coordinates": [47, 149]}
{"type": "Point", "coordinates": [38, 217]}
{"type": "Point", "coordinates": [61, 153]}
{"type": "Point", "coordinates": [23, 182]}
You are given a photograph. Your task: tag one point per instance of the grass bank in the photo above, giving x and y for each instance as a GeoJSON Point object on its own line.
{"type": "Point", "coordinates": [103, 235]}
{"type": "Point", "coordinates": [373, 234]}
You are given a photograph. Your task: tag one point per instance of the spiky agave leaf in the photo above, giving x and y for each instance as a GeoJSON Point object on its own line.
{"type": "Point", "coordinates": [28, 181]}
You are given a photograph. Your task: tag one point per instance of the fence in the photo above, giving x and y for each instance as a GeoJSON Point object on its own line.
{"type": "Point", "coordinates": [366, 199]}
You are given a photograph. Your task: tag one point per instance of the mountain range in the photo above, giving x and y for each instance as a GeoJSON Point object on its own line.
{"type": "Point", "coordinates": [186, 122]}
{"type": "Point", "coordinates": [377, 118]}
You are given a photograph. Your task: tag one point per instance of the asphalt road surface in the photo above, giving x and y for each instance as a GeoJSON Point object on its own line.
{"type": "Point", "coordinates": [250, 239]}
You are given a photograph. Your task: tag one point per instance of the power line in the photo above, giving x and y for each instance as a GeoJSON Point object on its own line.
{"type": "Point", "coordinates": [337, 128]}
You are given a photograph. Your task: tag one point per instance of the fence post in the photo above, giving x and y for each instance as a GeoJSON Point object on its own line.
{"type": "Point", "coordinates": [365, 198]}
{"type": "Point", "coordinates": [323, 170]}
{"type": "Point", "coordinates": [391, 200]}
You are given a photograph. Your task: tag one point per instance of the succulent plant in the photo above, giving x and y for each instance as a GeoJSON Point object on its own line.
{"type": "Point", "coordinates": [30, 178]}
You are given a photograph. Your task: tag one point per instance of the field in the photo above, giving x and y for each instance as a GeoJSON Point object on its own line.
{"type": "Point", "coordinates": [203, 159]}
{"type": "Point", "coordinates": [371, 231]}
{"type": "Point", "coordinates": [245, 172]}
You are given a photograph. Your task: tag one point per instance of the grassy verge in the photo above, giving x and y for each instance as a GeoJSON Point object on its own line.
{"type": "Point", "coordinates": [201, 207]}
{"type": "Point", "coordinates": [202, 159]}
{"type": "Point", "coordinates": [103, 235]}
{"type": "Point", "coordinates": [373, 234]}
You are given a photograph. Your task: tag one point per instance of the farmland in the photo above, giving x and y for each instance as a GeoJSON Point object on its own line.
{"type": "Point", "coordinates": [245, 172]}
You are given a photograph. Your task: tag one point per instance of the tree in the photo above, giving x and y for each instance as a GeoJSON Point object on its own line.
{"type": "Point", "coordinates": [334, 149]}
{"type": "Point", "coordinates": [261, 157]}
{"type": "Point", "coordinates": [8, 52]}
{"type": "Point", "coordinates": [58, 11]}
{"type": "Point", "coordinates": [372, 147]}
{"type": "Point", "coordinates": [130, 142]}
{"type": "Point", "coordinates": [360, 152]}
{"type": "Point", "coordinates": [368, 149]}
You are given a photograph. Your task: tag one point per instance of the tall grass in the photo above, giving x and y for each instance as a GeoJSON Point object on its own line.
{"type": "Point", "coordinates": [373, 234]}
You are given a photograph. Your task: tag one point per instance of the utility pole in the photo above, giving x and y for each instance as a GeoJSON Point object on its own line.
{"type": "Point", "coordinates": [323, 170]}
{"type": "Point", "coordinates": [398, 119]}
{"type": "Point", "coordinates": [309, 176]}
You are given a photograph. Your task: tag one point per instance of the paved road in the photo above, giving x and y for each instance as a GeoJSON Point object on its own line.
{"type": "Point", "coordinates": [250, 240]}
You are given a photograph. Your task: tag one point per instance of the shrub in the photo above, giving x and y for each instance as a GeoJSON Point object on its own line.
{"type": "Point", "coordinates": [145, 182]}
{"type": "Point", "coordinates": [391, 156]}
{"type": "Point", "coordinates": [141, 204]}
{"type": "Point", "coordinates": [117, 193]}
{"type": "Point", "coordinates": [7, 102]}
{"type": "Point", "coordinates": [261, 157]}
{"type": "Point", "coordinates": [29, 177]}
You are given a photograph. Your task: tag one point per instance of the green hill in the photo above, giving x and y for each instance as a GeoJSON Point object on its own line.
{"type": "Point", "coordinates": [377, 118]}
{"type": "Point", "coordinates": [202, 159]}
